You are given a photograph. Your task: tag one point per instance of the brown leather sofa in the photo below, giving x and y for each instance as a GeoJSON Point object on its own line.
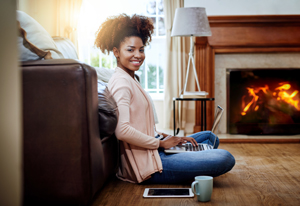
{"type": "Point", "coordinates": [65, 159]}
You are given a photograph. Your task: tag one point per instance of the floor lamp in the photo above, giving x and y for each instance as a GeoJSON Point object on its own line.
{"type": "Point", "coordinates": [191, 21]}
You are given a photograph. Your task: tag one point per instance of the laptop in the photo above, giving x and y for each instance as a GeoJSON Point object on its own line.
{"type": "Point", "coordinates": [188, 147]}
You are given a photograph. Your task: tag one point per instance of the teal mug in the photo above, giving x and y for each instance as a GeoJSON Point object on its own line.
{"type": "Point", "coordinates": [204, 187]}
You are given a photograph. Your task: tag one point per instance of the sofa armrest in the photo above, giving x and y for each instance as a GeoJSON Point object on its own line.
{"type": "Point", "coordinates": [63, 155]}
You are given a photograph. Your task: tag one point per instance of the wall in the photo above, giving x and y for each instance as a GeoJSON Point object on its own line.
{"type": "Point", "coordinates": [10, 108]}
{"type": "Point", "coordinates": [246, 7]}
{"type": "Point", "coordinates": [43, 11]}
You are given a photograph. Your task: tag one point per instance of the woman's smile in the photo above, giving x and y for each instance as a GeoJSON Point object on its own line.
{"type": "Point", "coordinates": [136, 63]}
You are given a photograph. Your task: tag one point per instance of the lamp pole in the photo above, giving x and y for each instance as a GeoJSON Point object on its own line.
{"type": "Point", "coordinates": [191, 58]}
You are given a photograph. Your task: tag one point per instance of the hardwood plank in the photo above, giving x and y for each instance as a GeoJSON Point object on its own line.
{"type": "Point", "coordinates": [264, 174]}
{"type": "Point", "coordinates": [256, 140]}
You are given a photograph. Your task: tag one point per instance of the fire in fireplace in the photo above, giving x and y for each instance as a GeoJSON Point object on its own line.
{"type": "Point", "coordinates": [263, 101]}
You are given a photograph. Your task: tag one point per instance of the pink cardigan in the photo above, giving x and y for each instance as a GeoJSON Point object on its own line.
{"type": "Point", "coordinates": [135, 129]}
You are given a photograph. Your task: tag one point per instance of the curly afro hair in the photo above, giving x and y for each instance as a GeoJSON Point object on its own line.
{"type": "Point", "coordinates": [116, 28]}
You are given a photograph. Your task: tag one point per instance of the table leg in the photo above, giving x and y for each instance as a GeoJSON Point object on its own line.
{"type": "Point", "coordinates": [174, 116]}
{"type": "Point", "coordinates": [204, 115]}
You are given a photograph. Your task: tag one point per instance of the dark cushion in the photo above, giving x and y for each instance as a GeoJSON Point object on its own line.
{"type": "Point", "coordinates": [108, 111]}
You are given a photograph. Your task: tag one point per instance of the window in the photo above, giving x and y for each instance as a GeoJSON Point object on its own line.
{"type": "Point", "coordinates": [93, 14]}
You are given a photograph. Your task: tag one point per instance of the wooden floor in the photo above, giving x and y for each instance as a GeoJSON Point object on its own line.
{"type": "Point", "coordinates": [264, 174]}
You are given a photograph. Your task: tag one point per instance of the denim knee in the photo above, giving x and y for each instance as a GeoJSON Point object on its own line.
{"type": "Point", "coordinates": [226, 161]}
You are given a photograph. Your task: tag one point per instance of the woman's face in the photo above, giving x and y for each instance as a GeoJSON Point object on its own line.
{"type": "Point", "coordinates": [130, 55]}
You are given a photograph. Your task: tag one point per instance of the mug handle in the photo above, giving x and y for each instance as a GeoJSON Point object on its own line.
{"type": "Point", "coordinates": [193, 186]}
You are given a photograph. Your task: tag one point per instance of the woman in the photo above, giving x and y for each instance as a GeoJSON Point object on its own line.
{"type": "Point", "coordinates": [142, 157]}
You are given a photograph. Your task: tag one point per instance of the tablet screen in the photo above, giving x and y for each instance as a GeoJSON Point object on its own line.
{"type": "Point", "coordinates": [168, 192]}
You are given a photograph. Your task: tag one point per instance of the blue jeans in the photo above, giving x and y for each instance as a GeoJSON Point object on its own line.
{"type": "Point", "coordinates": [183, 167]}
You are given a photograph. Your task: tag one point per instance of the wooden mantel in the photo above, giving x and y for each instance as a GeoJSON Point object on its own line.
{"type": "Point", "coordinates": [241, 34]}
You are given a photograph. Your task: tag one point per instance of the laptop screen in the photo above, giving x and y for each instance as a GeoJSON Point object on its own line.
{"type": "Point", "coordinates": [218, 115]}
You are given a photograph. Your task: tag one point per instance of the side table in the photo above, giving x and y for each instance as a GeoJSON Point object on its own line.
{"type": "Point", "coordinates": [203, 110]}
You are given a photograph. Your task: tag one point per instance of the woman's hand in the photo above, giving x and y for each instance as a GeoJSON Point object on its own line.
{"type": "Point", "coordinates": [188, 139]}
{"type": "Point", "coordinates": [170, 141]}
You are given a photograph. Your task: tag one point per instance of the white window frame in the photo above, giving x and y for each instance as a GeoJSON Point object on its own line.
{"type": "Point", "coordinates": [157, 95]}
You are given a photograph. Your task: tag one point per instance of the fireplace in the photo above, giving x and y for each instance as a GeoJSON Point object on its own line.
{"type": "Point", "coordinates": [263, 101]}
{"type": "Point", "coordinates": [242, 35]}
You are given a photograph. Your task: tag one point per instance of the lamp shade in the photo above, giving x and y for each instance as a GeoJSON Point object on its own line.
{"type": "Point", "coordinates": [190, 21]}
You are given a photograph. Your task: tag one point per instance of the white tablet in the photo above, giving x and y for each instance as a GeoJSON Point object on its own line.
{"type": "Point", "coordinates": [168, 192]}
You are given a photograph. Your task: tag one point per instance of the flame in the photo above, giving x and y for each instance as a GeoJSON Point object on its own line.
{"type": "Point", "coordinates": [284, 87]}
{"type": "Point", "coordinates": [252, 92]}
{"type": "Point", "coordinates": [280, 94]}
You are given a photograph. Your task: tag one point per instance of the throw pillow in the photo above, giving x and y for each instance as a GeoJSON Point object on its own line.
{"type": "Point", "coordinates": [37, 36]}
{"type": "Point", "coordinates": [29, 49]}
{"type": "Point", "coordinates": [25, 53]}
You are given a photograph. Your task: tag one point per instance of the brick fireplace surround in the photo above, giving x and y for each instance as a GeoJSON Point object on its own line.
{"type": "Point", "coordinates": [243, 35]}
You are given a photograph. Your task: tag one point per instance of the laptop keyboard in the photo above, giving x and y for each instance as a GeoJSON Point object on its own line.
{"type": "Point", "coordinates": [199, 147]}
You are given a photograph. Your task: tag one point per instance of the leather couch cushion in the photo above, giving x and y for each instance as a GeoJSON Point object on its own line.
{"type": "Point", "coordinates": [63, 159]}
